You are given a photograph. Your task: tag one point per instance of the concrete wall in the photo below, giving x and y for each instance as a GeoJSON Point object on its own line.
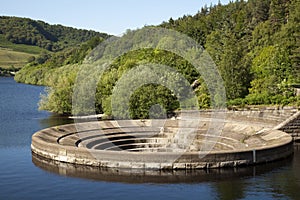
{"type": "Point", "coordinates": [291, 126]}
{"type": "Point", "coordinates": [158, 160]}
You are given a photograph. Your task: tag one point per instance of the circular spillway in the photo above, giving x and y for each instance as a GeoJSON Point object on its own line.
{"type": "Point", "coordinates": [243, 141]}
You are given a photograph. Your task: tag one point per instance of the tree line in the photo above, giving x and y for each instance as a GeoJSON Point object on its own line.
{"type": "Point", "coordinates": [255, 45]}
{"type": "Point", "coordinates": [38, 33]}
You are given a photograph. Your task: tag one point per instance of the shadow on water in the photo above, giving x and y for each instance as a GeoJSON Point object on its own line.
{"type": "Point", "coordinates": [135, 176]}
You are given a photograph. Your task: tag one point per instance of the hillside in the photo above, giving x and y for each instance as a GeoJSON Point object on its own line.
{"type": "Point", "coordinates": [10, 58]}
{"type": "Point", "coordinates": [38, 33]}
{"type": "Point", "coordinates": [15, 56]}
{"type": "Point", "coordinates": [22, 40]}
{"type": "Point", "coordinates": [254, 43]}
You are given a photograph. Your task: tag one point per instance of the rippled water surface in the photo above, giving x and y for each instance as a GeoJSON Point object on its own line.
{"type": "Point", "coordinates": [25, 177]}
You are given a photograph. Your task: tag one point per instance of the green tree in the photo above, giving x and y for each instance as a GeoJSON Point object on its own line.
{"type": "Point", "coordinates": [272, 72]}
{"type": "Point", "coordinates": [278, 13]}
{"type": "Point", "coordinates": [291, 41]}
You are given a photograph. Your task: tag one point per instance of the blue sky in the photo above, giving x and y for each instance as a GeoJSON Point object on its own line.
{"type": "Point", "coordinates": [110, 16]}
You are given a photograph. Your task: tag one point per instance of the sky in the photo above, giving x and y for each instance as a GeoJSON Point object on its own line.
{"type": "Point", "coordinates": [109, 16]}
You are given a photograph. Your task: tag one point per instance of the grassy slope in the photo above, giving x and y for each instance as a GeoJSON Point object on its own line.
{"type": "Point", "coordinates": [10, 58]}
{"type": "Point", "coordinates": [15, 55]}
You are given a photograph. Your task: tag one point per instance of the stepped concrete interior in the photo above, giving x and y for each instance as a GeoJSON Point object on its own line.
{"type": "Point", "coordinates": [247, 137]}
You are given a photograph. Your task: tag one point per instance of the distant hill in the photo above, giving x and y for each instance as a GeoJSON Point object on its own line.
{"type": "Point", "coordinates": [38, 33]}
{"type": "Point", "coordinates": [22, 40]}
{"type": "Point", "coordinates": [15, 56]}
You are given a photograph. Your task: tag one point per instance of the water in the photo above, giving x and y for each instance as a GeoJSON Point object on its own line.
{"type": "Point", "coordinates": [25, 177]}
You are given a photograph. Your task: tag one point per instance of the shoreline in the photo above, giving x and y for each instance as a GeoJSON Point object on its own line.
{"type": "Point", "coordinates": [86, 116]}
{"type": "Point", "coordinates": [7, 73]}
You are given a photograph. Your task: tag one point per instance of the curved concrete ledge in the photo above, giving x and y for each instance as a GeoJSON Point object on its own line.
{"type": "Point", "coordinates": [133, 176]}
{"type": "Point", "coordinates": [244, 141]}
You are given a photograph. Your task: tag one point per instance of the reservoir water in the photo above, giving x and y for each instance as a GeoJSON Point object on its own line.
{"type": "Point", "coordinates": [24, 177]}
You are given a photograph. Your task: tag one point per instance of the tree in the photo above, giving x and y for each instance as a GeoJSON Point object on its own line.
{"type": "Point", "coordinates": [278, 13]}
{"type": "Point", "coordinates": [272, 72]}
{"type": "Point", "coordinates": [259, 10]}
{"type": "Point", "coordinates": [293, 32]}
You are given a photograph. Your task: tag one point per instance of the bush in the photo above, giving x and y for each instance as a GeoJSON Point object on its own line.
{"type": "Point", "coordinates": [277, 99]}
{"type": "Point", "coordinates": [257, 99]}
{"type": "Point", "coordinates": [237, 102]}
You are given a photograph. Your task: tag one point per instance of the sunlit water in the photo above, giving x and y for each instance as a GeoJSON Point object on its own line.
{"type": "Point", "coordinates": [23, 178]}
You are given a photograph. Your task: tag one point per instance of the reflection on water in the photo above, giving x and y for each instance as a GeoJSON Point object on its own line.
{"type": "Point", "coordinates": [154, 176]}
{"type": "Point", "coordinates": [55, 120]}
{"type": "Point", "coordinates": [281, 182]}
{"type": "Point", "coordinates": [274, 180]}
{"type": "Point", "coordinates": [287, 182]}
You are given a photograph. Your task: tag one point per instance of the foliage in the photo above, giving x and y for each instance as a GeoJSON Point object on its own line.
{"type": "Point", "coordinates": [147, 95]}
{"type": "Point", "coordinates": [13, 59]}
{"type": "Point", "coordinates": [38, 33]}
{"type": "Point", "coordinates": [272, 70]}
{"type": "Point", "coordinates": [150, 98]}
{"type": "Point", "coordinates": [254, 43]}
{"type": "Point", "coordinates": [7, 45]}
{"type": "Point", "coordinates": [39, 71]}
{"type": "Point", "coordinates": [59, 96]}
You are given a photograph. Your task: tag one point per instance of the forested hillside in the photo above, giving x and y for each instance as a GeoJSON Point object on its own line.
{"type": "Point", "coordinates": [43, 68]}
{"type": "Point", "coordinates": [254, 43]}
{"type": "Point", "coordinates": [24, 40]}
{"type": "Point", "coordinates": [38, 33]}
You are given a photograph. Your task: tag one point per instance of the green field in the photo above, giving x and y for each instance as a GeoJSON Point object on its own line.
{"type": "Point", "coordinates": [10, 58]}
{"type": "Point", "coordinates": [16, 55]}
{"type": "Point", "coordinates": [19, 47]}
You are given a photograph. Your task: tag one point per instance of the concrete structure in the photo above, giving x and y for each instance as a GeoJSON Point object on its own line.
{"type": "Point", "coordinates": [153, 176]}
{"type": "Point", "coordinates": [248, 137]}
{"type": "Point", "coordinates": [291, 126]}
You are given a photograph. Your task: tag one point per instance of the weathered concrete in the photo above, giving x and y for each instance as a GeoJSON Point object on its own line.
{"type": "Point", "coordinates": [248, 137]}
{"type": "Point", "coordinates": [291, 126]}
{"type": "Point", "coordinates": [152, 176]}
